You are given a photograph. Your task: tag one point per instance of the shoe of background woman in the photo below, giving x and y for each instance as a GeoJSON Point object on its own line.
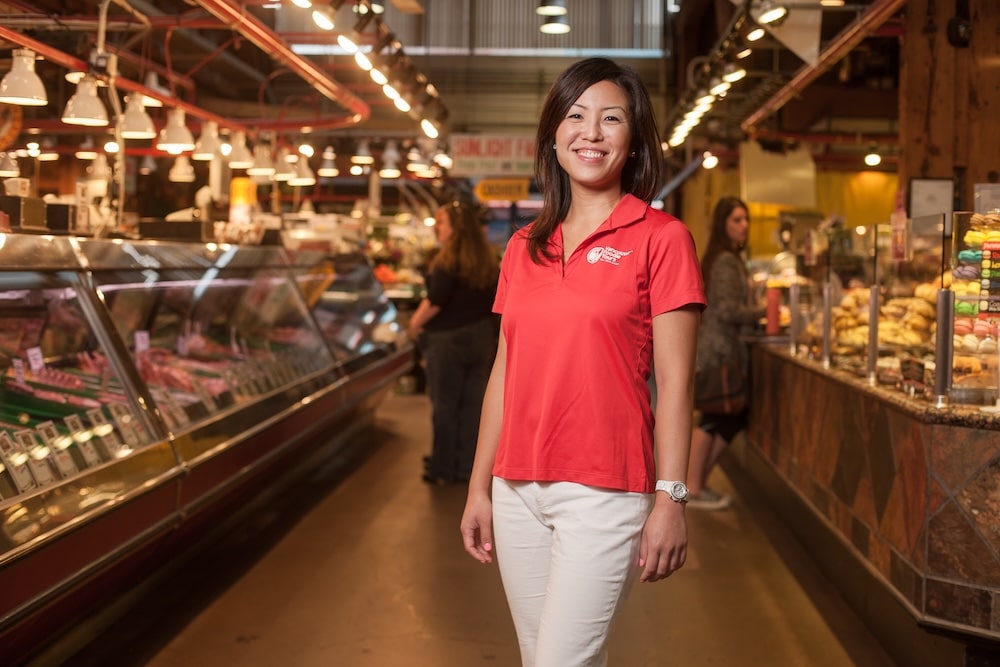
{"type": "Point", "coordinates": [707, 499]}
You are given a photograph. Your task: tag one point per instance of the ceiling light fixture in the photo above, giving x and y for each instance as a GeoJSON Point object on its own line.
{"type": "Point", "coordinates": [148, 165]}
{"type": "Point", "coordinates": [755, 34]}
{"type": "Point", "coordinates": [555, 25]}
{"type": "Point", "coordinates": [175, 137]}
{"type": "Point", "coordinates": [8, 166]}
{"type": "Point", "coordinates": [283, 171]}
{"type": "Point", "coordinates": [182, 171]}
{"type": "Point", "coordinates": [304, 176]}
{"type": "Point", "coordinates": [153, 83]}
{"type": "Point", "coordinates": [85, 108]}
{"type": "Point", "coordinates": [390, 161]}
{"type": "Point", "coordinates": [328, 169]}
{"type": "Point", "coordinates": [733, 72]}
{"type": "Point", "coordinates": [262, 165]}
{"type": "Point", "coordinates": [709, 160]}
{"type": "Point", "coordinates": [363, 154]}
{"type": "Point", "coordinates": [351, 42]}
{"type": "Point", "coordinates": [551, 8]}
{"type": "Point", "coordinates": [22, 85]}
{"type": "Point", "coordinates": [768, 12]}
{"type": "Point", "coordinates": [872, 158]}
{"type": "Point", "coordinates": [136, 122]}
{"type": "Point", "coordinates": [208, 144]}
{"type": "Point", "coordinates": [323, 18]}
{"type": "Point", "coordinates": [240, 157]}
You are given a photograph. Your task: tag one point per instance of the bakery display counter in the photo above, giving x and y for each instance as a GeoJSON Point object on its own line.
{"type": "Point", "coordinates": [147, 389]}
{"type": "Point", "coordinates": [892, 494]}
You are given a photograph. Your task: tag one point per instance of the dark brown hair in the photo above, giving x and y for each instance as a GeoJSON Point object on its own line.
{"type": "Point", "coordinates": [718, 238]}
{"type": "Point", "coordinates": [640, 175]}
{"type": "Point", "coordinates": [467, 253]}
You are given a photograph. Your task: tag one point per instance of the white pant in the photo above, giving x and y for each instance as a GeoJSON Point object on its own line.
{"type": "Point", "coordinates": [568, 555]}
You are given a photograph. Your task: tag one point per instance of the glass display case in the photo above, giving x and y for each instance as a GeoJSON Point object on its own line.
{"type": "Point", "coordinates": [975, 283]}
{"type": "Point", "coordinates": [143, 383]}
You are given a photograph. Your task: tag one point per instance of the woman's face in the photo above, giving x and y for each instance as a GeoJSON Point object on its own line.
{"type": "Point", "coordinates": [738, 227]}
{"type": "Point", "coordinates": [442, 227]}
{"type": "Point", "coordinates": [592, 141]}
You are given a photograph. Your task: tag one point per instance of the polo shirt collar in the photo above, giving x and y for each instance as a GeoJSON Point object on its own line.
{"type": "Point", "coordinates": [628, 210]}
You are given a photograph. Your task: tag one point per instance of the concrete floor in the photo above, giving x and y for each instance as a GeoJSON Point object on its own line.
{"type": "Point", "coordinates": [367, 569]}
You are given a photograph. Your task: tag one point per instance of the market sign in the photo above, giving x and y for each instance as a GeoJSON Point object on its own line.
{"type": "Point", "coordinates": [502, 189]}
{"type": "Point", "coordinates": [492, 155]}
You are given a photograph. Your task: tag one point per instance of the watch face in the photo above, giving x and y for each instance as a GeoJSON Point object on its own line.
{"type": "Point", "coordinates": [678, 490]}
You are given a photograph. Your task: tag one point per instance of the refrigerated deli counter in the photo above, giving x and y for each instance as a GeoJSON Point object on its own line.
{"type": "Point", "coordinates": [875, 430]}
{"type": "Point", "coordinates": [147, 389]}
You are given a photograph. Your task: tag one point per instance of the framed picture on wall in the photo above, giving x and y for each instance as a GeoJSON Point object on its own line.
{"type": "Point", "coordinates": [931, 196]}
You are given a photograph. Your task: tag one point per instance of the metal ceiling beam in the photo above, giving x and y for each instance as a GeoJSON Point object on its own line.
{"type": "Point", "coordinates": [268, 41]}
{"type": "Point", "coordinates": [878, 13]}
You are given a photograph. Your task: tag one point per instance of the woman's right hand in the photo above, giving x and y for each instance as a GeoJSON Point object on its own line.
{"type": "Point", "coordinates": [477, 527]}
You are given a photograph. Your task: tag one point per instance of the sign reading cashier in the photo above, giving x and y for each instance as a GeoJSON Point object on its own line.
{"type": "Point", "coordinates": [492, 155]}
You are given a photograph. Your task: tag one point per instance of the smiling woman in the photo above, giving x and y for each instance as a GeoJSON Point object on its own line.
{"type": "Point", "coordinates": [590, 293]}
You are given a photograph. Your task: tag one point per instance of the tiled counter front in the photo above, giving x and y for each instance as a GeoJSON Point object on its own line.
{"type": "Point", "coordinates": [914, 491]}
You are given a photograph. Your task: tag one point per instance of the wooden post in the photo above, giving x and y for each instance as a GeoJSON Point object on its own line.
{"type": "Point", "coordinates": [949, 97]}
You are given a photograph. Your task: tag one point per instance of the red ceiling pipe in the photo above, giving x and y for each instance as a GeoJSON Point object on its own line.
{"type": "Point", "coordinates": [878, 13]}
{"type": "Point", "coordinates": [269, 42]}
{"type": "Point", "coordinates": [74, 63]}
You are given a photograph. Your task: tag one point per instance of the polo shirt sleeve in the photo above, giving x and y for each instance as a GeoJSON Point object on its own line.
{"type": "Point", "coordinates": [515, 247]}
{"type": "Point", "coordinates": [674, 271]}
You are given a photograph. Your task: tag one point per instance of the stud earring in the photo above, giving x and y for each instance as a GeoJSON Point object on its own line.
{"type": "Point", "coordinates": [553, 146]}
{"type": "Point", "coordinates": [632, 154]}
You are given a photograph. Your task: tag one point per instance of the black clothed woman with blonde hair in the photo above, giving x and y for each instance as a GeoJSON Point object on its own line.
{"type": "Point", "coordinates": [458, 334]}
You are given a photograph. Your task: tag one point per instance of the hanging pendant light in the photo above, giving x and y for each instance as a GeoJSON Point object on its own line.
{"type": "Point", "coordinates": [99, 170]}
{"type": "Point", "coordinates": [240, 157]}
{"type": "Point", "coordinates": [148, 165]}
{"type": "Point", "coordinates": [262, 165]}
{"type": "Point", "coordinates": [86, 150]}
{"type": "Point", "coordinates": [136, 122]}
{"type": "Point", "coordinates": [8, 166]}
{"type": "Point", "coordinates": [48, 150]}
{"type": "Point", "coordinates": [328, 168]}
{"type": "Point", "coordinates": [85, 108]}
{"type": "Point", "coordinates": [283, 170]}
{"type": "Point", "coordinates": [208, 144]}
{"type": "Point", "coordinates": [175, 137]}
{"type": "Point", "coordinates": [153, 83]}
{"type": "Point", "coordinates": [551, 8]}
{"type": "Point", "coordinates": [363, 154]}
{"type": "Point", "coordinates": [555, 25]}
{"type": "Point", "coordinates": [304, 176]}
{"type": "Point", "coordinates": [21, 85]}
{"type": "Point", "coordinates": [182, 171]}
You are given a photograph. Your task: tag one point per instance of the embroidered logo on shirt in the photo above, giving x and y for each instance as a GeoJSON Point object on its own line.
{"type": "Point", "coordinates": [606, 254]}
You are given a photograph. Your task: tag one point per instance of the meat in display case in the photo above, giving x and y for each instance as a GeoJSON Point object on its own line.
{"type": "Point", "coordinates": [147, 387]}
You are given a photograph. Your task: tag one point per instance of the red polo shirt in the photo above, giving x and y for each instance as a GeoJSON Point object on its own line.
{"type": "Point", "coordinates": [579, 348]}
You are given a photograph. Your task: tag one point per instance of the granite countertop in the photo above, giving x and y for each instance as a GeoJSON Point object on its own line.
{"type": "Point", "coordinates": [970, 416]}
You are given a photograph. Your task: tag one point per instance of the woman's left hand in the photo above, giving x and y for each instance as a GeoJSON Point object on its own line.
{"type": "Point", "coordinates": [663, 548]}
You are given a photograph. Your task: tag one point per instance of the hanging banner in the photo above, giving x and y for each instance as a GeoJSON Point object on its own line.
{"type": "Point", "coordinates": [492, 155]}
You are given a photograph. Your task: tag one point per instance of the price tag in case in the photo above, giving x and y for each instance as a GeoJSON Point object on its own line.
{"type": "Point", "coordinates": [84, 439]}
{"type": "Point", "coordinates": [16, 460]}
{"type": "Point", "coordinates": [38, 457]}
{"type": "Point", "coordinates": [58, 445]}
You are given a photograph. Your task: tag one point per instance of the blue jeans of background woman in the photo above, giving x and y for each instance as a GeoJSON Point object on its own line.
{"type": "Point", "coordinates": [458, 363]}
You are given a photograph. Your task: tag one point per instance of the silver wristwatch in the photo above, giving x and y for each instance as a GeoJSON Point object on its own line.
{"type": "Point", "coordinates": [677, 491]}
